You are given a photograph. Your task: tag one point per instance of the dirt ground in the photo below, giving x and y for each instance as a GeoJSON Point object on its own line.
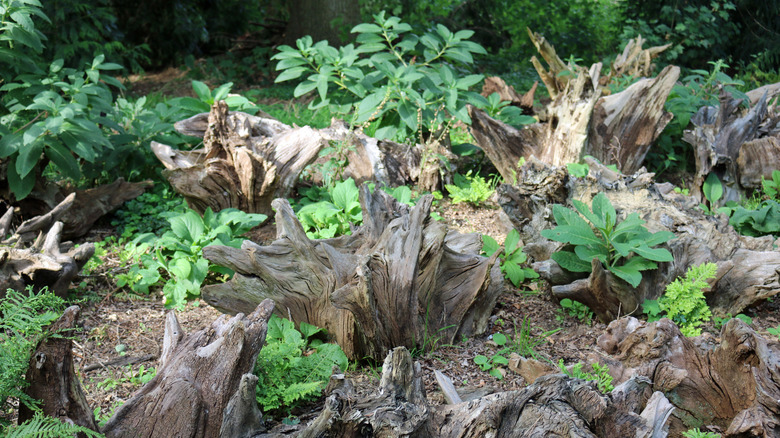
{"type": "Point", "coordinates": [118, 325]}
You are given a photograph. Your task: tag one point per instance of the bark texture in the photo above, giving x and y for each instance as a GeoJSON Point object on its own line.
{"type": "Point", "coordinates": [748, 267]}
{"type": "Point", "coordinates": [732, 384]}
{"type": "Point", "coordinates": [580, 120]}
{"type": "Point", "coordinates": [553, 406]}
{"type": "Point", "coordinates": [204, 385]}
{"type": "Point", "coordinates": [400, 279]}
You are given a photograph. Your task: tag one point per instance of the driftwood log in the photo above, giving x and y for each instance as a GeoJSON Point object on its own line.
{"type": "Point", "coordinates": [400, 279]}
{"type": "Point", "coordinates": [739, 146]}
{"type": "Point", "coordinates": [553, 406]}
{"type": "Point", "coordinates": [248, 161]}
{"type": "Point", "coordinates": [731, 386]}
{"type": "Point", "coordinates": [748, 267]}
{"type": "Point", "coordinates": [616, 129]}
{"type": "Point", "coordinates": [46, 262]}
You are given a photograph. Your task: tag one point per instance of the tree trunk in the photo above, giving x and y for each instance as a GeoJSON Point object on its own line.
{"type": "Point", "coordinates": [204, 385]}
{"type": "Point", "coordinates": [747, 267]}
{"type": "Point", "coordinates": [330, 20]}
{"type": "Point", "coordinates": [399, 279]}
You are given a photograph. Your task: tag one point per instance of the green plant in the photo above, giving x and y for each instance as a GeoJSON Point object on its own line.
{"type": "Point", "coordinates": [579, 170]}
{"type": "Point", "coordinates": [148, 213]}
{"type": "Point", "coordinates": [206, 98]}
{"type": "Point", "coordinates": [600, 374]}
{"type": "Point", "coordinates": [511, 258]}
{"type": "Point", "coordinates": [333, 168]}
{"type": "Point", "coordinates": [294, 366]}
{"type": "Point", "coordinates": [472, 189]}
{"type": "Point", "coordinates": [178, 252]}
{"type": "Point", "coordinates": [696, 433]}
{"type": "Point", "coordinates": [684, 302]}
{"type": "Point", "coordinates": [405, 81]}
{"type": "Point", "coordinates": [576, 309]}
{"type": "Point", "coordinates": [761, 221]}
{"type": "Point", "coordinates": [718, 322]}
{"type": "Point", "coordinates": [713, 192]}
{"type": "Point", "coordinates": [525, 343]}
{"type": "Point", "coordinates": [627, 240]}
{"type": "Point", "coordinates": [332, 215]}
{"type": "Point", "coordinates": [502, 110]}
{"type": "Point", "coordinates": [774, 331]}
{"type": "Point", "coordinates": [41, 425]}
{"type": "Point", "coordinates": [771, 187]}
{"type": "Point", "coordinates": [491, 364]}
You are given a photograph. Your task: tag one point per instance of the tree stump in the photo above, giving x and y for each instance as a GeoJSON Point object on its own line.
{"type": "Point", "coordinates": [400, 279]}
{"type": "Point", "coordinates": [44, 263]}
{"type": "Point", "coordinates": [616, 129]}
{"type": "Point", "coordinates": [739, 147]}
{"type": "Point", "coordinates": [748, 268]}
{"type": "Point", "coordinates": [553, 405]}
{"type": "Point", "coordinates": [732, 385]}
{"type": "Point", "coordinates": [204, 385]}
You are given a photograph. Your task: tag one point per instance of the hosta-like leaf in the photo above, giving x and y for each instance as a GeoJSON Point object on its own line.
{"type": "Point", "coordinates": [571, 262]}
{"type": "Point", "coordinates": [489, 245]}
{"type": "Point", "coordinates": [655, 254]}
{"type": "Point", "coordinates": [576, 235]}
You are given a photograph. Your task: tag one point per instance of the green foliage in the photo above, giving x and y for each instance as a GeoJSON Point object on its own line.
{"type": "Point", "coordinates": [293, 366]}
{"type": "Point", "coordinates": [771, 187]}
{"type": "Point", "coordinates": [178, 253]}
{"type": "Point", "coordinates": [628, 240]}
{"type": "Point", "coordinates": [524, 342]}
{"type": "Point", "coordinates": [713, 192]}
{"type": "Point", "coordinates": [491, 364]}
{"type": "Point", "coordinates": [472, 189]}
{"type": "Point", "coordinates": [42, 426]}
{"type": "Point", "coordinates": [700, 88]}
{"type": "Point", "coordinates": [511, 258]}
{"type": "Point", "coordinates": [696, 433]}
{"type": "Point", "coordinates": [326, 213]}
{"type": "Point", "coordinates": [148, 213]}
{"type": "Point", "coordinates": [207, 97]}
{"type": "Point", "coordinates": [600, 375]}
{"type": "Point", "coordinates": [684, 302]}
{"type": "Point", "coordinates": [579, 170]}
{"type": "Point", "coordinates": [405, 81]}
{"type": "Point", "coordinates": [762, 221]}
{"type": "Point", "coordinates": [502, 110]}
{"type": "Point", "coordinates": [718, 322]}
{"type": "Point", "coordinates": [576, 309]}
{"type": "Point", "coordinates": [775, 331]}
{"type": "Point", "coordinates": [333, 169]}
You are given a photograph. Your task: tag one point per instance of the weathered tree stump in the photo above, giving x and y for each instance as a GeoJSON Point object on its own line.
{"type": "Point", "coordinates": [53, 380]}
{"type": "Point", "coordinates": [204, 385]}
{"type": "Point", "coordinates": [738, 146]}
{"type": "Point", "coordinates": [44, 263]}
{"type": "Point", "coordinates": [553, 406]}
{"type": "Point", "coordinates": [748, 268]}
{"type": "Point", "coordinates": [400, 279]}
{"type": "Point", "coordinates": [732, 385]}
{"type": "Point", "coordinates": [616, 129]}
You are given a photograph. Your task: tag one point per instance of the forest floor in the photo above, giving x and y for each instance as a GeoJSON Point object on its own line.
{"type": "Point", "coordinates": [119, 325]}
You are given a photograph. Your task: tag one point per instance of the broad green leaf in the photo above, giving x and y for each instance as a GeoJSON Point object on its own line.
{"type": "Point", "coordinates": [604, 209]}
{"type": "Point", "coordinates": [366, 28]}
{"type": "Point", "coordinates": [712, 188]}
{"type": "Point", "coordinates": [628, 273]}
{"type": "Point", "coordinates": [659, 238]}
{"type": "Point", "coordinates": [499, 339]}
{"type": "Point", "coordinates": [587, 253]}
{"type": "Point", "coordinates": [514, 272]}
{"type": "Point", "coordinates": [489, 245]}
{"type": "Point", "coordinates": [20, 187]}
{"type": "Point", "coordinates": [496, 373]}
{"type": "Point", "coordinates": [188, 226]}
{"type": "Point", "coordinates": [511, 242]}
{"type": "Point", "coordinates": [576, 235]}
{"type": "Point", "coordinates": [291, 73]}
{"type": "Point", "coordinates": [596, 220]}
{"type": "Point", "coordinates": [28, 158]}
{"type": "Point", "coordinates": [202, 90]}
{"type": "Point", "coordinates": [180, 268]}
{"type": "Point", "coordinates": [344, 193]}
{"type": "Point", "coordinates": [64, 160]}
{"type": "Point", "coordinates": [571, 262]}
{"type": "Point", "coordinates": [655, 254]}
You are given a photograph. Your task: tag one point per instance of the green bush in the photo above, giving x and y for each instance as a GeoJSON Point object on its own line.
{"type": "Point", "coordinates": [408, 82]}
{"type": "Point", "coordinates": [628, 240]}
{"type": "Point", "coordinates": [294, 366]}
{"type": "Point", "coordinates": [148, 213]}
{"type": "Point", "coordinates": [684, 302]}
{"type": "Point", "coordinates": [178, 253]}
{"type": "Point", "coordinates": [329, 212]}
{"type": "Point", "coordinates": [473, 189]}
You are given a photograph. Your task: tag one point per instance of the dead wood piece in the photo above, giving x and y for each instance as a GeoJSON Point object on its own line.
{"type": "Point", "coordinates": [731, 385]}
{"type": "Point", "coordinates": [53, 380]}
{"type": "Point", "coordinates": [396, 281]}
{"type": "Point", "coordinates": [507, 93]}
{"type": "Point", "coordinates": [738, 146]}
{"type": "Point", "coordinates": [120, 362]}
{"type": "Point", "coordinates": [634, 60]}
{"type": "Point", "coordinates": [747, 267]}
{"type": "Point", "coordinates": [553, 404]}
{"type": "Point", "coordinates": [43, 264]}
{"type": "Point", "coordinates": [204, 386]}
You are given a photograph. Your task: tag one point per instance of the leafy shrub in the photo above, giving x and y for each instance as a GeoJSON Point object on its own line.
{"type": "Point", "coordinates": [178, 253]}
{"type": "Point", "coordinates": [293, 366]}
{"type": "Point", "coordinates": [407, 81]}
{"type": "Point", "coordinates": [684, 302]}
{"type": "Point", "coordinates": [206, 98]}
{"type": "Point", "coordinates": [332, 212]}
{"type": "Point", "coordinates": [628, 240]}
{"type": "Point", "coordinates": [148, 213]}
{"type": "Point", "coordinates": [511, 258]}
{"type": "Point", "coordinates": [502, 110]}
{"type": "Point", "coordinates": [600, 374]}
{"type": "Point", "coordinates": [472, 189]}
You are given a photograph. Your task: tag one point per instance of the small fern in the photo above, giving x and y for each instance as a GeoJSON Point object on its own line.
{"type": "Point", "coordinates": [684, 301]}
{"type": "Point", "coordinates": [42, 426]}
